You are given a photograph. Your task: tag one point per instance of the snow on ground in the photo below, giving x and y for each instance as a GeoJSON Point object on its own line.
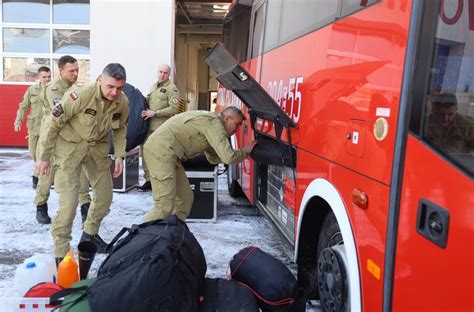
{"type": "Point", "coordinates": [238, 223]}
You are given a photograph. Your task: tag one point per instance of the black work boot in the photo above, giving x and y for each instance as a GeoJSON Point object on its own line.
{"type": "Point", "coordinates": [96, 239]}
{"type": "Point", "coordinates": [35, 181]}
{"type": "Point", "coordinates": [58, 260]}
{"type": "Point", "coordinates": [145, 187]}
{"type": "Point", "coordinates": [84, 211]}
{"type": "Point", "coordinates": [42, 214]}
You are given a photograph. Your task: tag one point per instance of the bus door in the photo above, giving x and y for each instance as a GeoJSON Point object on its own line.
{"type": "Point", "coordinates": [434, 252]}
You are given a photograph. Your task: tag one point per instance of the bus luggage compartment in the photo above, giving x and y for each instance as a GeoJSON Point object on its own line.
{"type": "Point", "coordinates": [272, 152]}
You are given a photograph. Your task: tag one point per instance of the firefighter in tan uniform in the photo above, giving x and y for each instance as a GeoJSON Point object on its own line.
{"type": "Point", "coordinates": [184, 136]}
{"type": "Point", "coordinates": [163, 101]}
{"type": "Point", "coordinates": [31, 99]}
{"type": "Point", "coordinates": [51, 95]}
{"type": "Point", "coordinates": [79, 136]}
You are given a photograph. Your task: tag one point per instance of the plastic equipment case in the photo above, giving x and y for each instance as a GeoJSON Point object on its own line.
{"type": "Point", "coordinates": [129, 177]}
{"type": "Point", "coordinates": [202, 177]}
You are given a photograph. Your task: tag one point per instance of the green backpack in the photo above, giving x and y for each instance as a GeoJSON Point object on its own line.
{"type": "Point", "coordinates": [75, 298]}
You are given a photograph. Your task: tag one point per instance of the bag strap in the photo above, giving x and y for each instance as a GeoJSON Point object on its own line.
{"type": "Point", "coordinates": [117, 237]}
{"type": "Point", "coordinates": [281, 302]}
{"type": "Point", "coordinates": [57, 298]}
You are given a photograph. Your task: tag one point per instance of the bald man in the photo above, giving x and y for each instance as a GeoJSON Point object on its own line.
{"type": "Point", "coordinates": [163, 101]}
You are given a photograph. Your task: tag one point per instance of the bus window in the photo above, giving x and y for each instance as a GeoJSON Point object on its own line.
{"type": "Point", "coordinates": [447, 114]}
{"type": "Point", "coordinates": [236, 31]}
{"type": "Point", "coordinates": [272, 29]}
{"type": "Point", "coordinates": [352, 6]}
{"type": "Point", "coordinates": [257, 31]}
{"type": "Point", "coordinates": [300, 17]}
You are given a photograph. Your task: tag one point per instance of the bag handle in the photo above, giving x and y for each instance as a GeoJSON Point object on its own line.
{"type": "Point", "coordinates": [57, 298]}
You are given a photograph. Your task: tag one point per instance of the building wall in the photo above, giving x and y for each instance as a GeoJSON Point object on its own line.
{"type": "Point", "coordinates": [11, 96]}
{"type": "Point", "coordinates": [138, 34]}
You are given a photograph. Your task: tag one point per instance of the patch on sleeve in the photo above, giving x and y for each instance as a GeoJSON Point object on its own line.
{"type": "Point", "coordinates": [163, 90]}
{"type": "Point", "coordinates": [175, 100]}
{"type": "Point", "coordinates": [58, 110]}
{"type": "Point", "coordinates": [116, 116]}
{"type": "Point", "coordinates": [73, 96]}
{"type": "Point", "coordinates": [90, 111]}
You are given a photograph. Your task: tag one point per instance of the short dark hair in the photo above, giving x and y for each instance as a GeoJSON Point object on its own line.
{"type": "Point", "coordinates": [115, 70]}
{"type": "Point", "coordinates": [446, 99]}
{"type": "Point", "coordinates": [232, 110]}
{"type": "Point", "coordinates": [44, 69]}
{"type": "Point", "coordinates": [63, 60]}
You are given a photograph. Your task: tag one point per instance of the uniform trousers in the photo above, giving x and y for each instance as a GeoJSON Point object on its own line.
{"type": "Point", "coordinates": [32, 145]}
{"type": "Point", "coordinates": [46, 181]}
{"type": "Point", "coordinates": [172, 193]}
{"type": "Point", "coordinates": [68, 183]}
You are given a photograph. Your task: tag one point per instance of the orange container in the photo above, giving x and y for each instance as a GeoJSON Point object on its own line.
{"type": "Point", "coordinates": [68, 272]}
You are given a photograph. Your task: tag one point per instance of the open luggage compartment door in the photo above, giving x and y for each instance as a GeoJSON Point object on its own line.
{"type": "Point", "coordinates": [233, 77]}
{"type": "Point", "coordinates": [260, 104]}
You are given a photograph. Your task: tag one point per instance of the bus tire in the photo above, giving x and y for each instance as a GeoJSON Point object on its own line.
{"type": "Point", "coordinates": [332, 267]}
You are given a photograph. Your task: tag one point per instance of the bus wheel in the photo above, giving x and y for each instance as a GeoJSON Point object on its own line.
{"type": "Point", "coordinates": [332, 267]}
{"type": "Point", "coordinates": [233, 186]}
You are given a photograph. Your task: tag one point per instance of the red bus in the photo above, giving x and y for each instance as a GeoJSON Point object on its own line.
{"type": "Point", "coordinates": [364, 113]}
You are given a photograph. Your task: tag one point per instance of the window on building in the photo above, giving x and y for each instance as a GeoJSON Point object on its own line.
{"type": "Point", "coordinates": [32, 40]}
{"type": "Point", "coordinates": [38, 32]}
{"type": "Point", "coordinates": [70, 41]}
{"type": "Point", "coordinates": [22, 68]}
{"type": "Point", "coordinates": [25, 11]}
{"type": "Point", "coordinates": [71, 12]}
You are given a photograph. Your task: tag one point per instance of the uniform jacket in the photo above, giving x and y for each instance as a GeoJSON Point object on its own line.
{"type": "Point", "coordinates": [31, 98]}
{"type": "Point", "coordinates": [50, 96]}
{"type": "Point", "coordinates": [191, 133]}
{"type": "Point", "coordinates": [80, 125]}
{"type": "Point", "coordinates": [163, 99]}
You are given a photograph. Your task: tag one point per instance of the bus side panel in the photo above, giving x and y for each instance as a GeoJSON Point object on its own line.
{"type": "Point", "coordinates": [337, 81]}
{"type": "Point", "coordinates": [368, 226]}
{"type": "Point", "coordinates": [427, 276]}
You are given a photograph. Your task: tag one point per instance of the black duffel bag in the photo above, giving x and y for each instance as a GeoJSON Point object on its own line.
{"type": "Point", "coordinates": [270, 280]}
{"type": "Point", "coordinates": [271, 152]}
{"type": "Point", "coordinates": [159, 266]}
{"type": "Point", "coordinates": [222, 295]}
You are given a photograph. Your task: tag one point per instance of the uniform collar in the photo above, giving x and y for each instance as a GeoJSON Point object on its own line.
{"type": "Point", "coordinates": [62, 83]}
{"type": "Point", "coordinates": [162, 84]}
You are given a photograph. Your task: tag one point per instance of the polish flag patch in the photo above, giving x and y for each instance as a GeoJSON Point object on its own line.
{"type": "Point", "coordinates": [73, 96]}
